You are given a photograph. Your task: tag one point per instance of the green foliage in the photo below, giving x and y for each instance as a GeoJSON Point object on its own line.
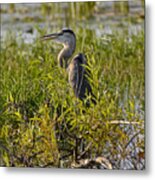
{"type": "Point", "coordinates": [42, 124]}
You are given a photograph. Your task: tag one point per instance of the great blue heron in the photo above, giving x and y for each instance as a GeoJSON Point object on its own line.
{"type": "Point", "coordinates": [76, 68]}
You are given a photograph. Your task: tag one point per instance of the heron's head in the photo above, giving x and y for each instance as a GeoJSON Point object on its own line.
{"type": "Point", "coordinates": [65, 37]}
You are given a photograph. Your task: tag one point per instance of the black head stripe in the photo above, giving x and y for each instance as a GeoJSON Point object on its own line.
{"type": "Point", "coordinates": [68, 31]}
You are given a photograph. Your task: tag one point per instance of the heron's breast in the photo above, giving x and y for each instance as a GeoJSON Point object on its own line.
{"type": "Point", "coordinates": [73, 74]}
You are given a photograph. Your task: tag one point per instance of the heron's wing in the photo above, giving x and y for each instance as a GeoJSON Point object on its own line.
{"type": "Point", "coordinates": [84, 87]}
{"type": "Point", "coordinates": [76, 74]}
{"type": "Point", "coordinates": [81, 79]}
{"type": "Point", "coordinates": [78, 77]}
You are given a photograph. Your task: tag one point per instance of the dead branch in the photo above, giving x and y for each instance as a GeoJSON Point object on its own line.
{"type": "Point", "coordinates": [96, 163]}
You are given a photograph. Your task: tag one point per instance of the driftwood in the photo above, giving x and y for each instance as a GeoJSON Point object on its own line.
{"type": "Point", "coordinates": [96, 163]}
{"type": "Point", "coordinates": [123, 122]}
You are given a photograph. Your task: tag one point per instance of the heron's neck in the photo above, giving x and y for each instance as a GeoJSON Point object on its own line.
{"type": "Point", "coordinates": [65, 54]}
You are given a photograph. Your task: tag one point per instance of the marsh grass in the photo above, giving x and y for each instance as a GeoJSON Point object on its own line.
{"type": "Point", "coordinates": [42, 124]}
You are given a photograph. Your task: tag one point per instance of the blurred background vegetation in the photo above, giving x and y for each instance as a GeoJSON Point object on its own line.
{"type": "Point", "coordinates": [42, 124]}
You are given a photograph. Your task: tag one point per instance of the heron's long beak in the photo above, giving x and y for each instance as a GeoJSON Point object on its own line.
{"type": "Point", "coordinates": [50, 36]}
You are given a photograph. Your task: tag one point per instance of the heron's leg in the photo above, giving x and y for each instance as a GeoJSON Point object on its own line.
{"type": "Point", "coordinates": [76, 139]}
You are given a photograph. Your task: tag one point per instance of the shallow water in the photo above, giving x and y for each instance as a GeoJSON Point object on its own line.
{"type": "Point", "coordinates": [22, 19]}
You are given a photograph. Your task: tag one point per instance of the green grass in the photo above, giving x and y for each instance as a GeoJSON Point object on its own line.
{"type": "Point", "coordinates": [42, 123]}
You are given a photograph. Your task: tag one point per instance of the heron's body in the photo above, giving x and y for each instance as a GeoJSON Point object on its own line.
{"type": "Point", "coordinates": [77, 77]}
{"type": "Point", "coordinates": [76, 68]}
